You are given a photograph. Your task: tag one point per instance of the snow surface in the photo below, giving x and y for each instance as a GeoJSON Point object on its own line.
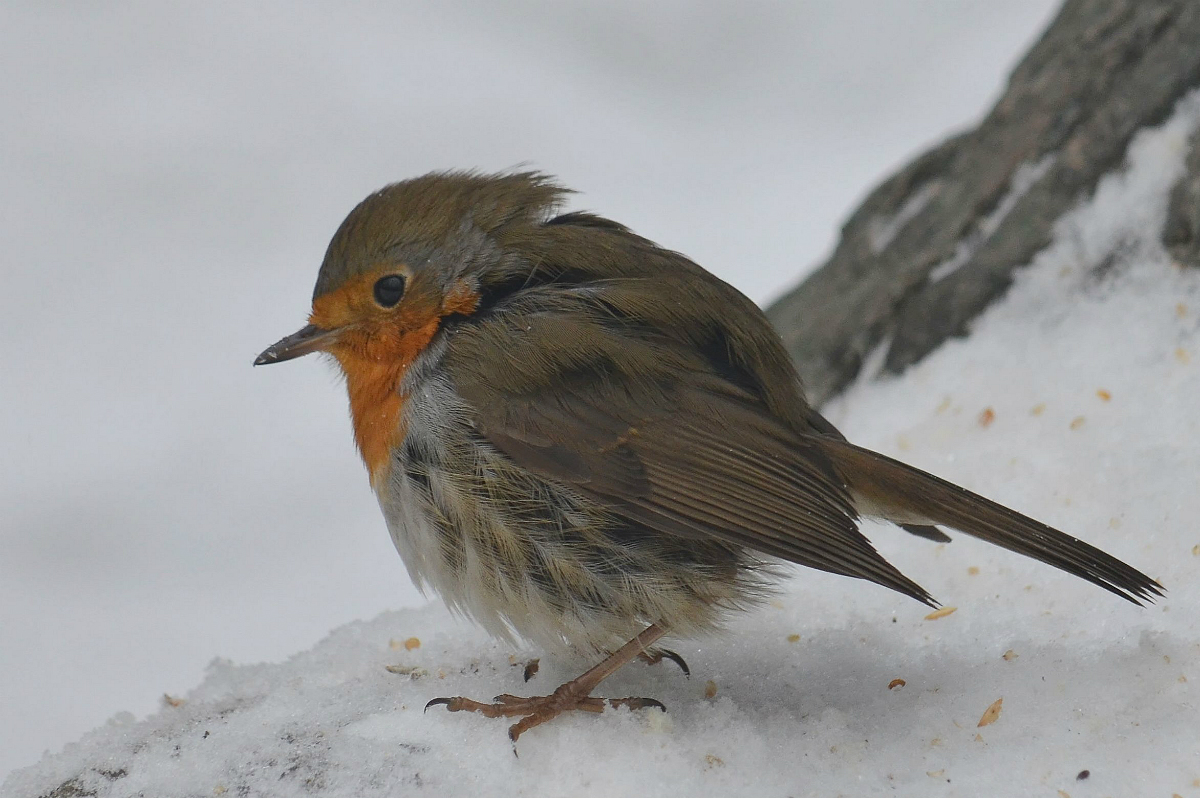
{"type": "Point", "coordinates": [1073, 399]}
{"type": "Point", "coordinates": [170, 174]}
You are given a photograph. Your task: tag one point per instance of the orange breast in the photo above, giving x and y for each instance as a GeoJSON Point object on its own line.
{"type": "Point", "coordinates": [375, 350]}
{"type": "Point", "coordinates": [373, 374]}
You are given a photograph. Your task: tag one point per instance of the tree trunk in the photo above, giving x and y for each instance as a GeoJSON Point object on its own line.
{"type": "Point", "coordinates": [936, 243]}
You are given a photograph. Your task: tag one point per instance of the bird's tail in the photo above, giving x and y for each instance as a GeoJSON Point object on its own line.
{"type": "Point", "coordinates": [900, 493]}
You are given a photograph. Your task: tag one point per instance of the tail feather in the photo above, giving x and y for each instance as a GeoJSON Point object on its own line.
{"type": "Point", "coordinates": [911, 496]}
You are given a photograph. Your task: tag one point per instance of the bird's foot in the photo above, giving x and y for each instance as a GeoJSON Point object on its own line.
{"type": "Point", "coordinates": [575, 694]}
{"type": "Point", "coordinates": [536, 710]}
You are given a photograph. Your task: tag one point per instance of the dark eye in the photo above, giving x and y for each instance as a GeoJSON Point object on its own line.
{"type": "Point", "coordinates": [388, 290]}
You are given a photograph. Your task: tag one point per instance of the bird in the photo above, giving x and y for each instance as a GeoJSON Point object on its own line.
{"type": "Point", "coordinates": [584, 440]}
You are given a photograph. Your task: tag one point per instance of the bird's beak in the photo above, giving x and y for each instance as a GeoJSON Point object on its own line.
{"type": "Point", "coordinates": [305, 340]}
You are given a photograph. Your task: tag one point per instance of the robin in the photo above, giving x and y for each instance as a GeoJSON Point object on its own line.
{"type": "Point", "coordinates": [582, 439]}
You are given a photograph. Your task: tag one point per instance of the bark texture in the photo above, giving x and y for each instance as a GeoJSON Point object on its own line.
{"type": "Point", "coordinates": [933, 245]}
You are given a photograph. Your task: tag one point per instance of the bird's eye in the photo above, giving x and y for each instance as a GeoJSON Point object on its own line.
{"type": "Point", "coordinates": [388, 290]}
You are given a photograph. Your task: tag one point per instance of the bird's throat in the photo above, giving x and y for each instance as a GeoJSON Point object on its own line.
{"type": "Point", "coordinates": [373, 375]}
{"type": "Point", "coordinates": [375, 353]}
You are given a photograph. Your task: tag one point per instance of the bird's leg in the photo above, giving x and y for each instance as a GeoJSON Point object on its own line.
{"type": "Point", "coordinates": [575, 694]}
{"type": "Point", "coordinates": [654, 657]}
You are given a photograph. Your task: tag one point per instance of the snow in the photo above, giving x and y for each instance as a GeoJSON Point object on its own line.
{"type": "Point", "coordinates": [1072, 399]}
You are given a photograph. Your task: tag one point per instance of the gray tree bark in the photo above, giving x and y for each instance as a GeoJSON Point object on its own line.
{"type": "Point", "coordinates": [936, 243]}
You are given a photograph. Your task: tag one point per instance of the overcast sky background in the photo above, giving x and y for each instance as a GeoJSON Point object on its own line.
{"type": "Point", "coordinates": [170, 176]}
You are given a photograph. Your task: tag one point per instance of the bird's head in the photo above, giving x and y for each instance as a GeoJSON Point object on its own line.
{"type": "Point", "coordinates": [410, 255]}
{"type": "Point", "coordinates": [407, 258]}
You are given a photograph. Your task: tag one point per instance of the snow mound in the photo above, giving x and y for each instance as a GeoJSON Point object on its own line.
{"type": "Point", "coordinates": [1073, 400]}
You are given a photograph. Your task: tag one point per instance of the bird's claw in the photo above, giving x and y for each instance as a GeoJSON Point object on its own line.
{"type": "Point", "coordinates": [659, 655]}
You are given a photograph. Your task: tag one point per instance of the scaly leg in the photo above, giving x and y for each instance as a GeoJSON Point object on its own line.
{"type": "Point", "coordinates": [575, 694]}
{"type": "Point", "coordinates": [649, 657]}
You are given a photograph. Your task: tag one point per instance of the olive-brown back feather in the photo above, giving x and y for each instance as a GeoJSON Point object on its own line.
{"type": "Point", "coordinates": [605, 389]}
{"type": "Point", "coordinates": [644, 382]}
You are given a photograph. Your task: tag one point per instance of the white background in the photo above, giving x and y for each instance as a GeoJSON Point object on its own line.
{"type": "Point", "coordinates": [170, 176]}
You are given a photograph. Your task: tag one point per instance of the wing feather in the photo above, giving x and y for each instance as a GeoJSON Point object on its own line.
{"type": "Point", "coordinates": [641, 424]}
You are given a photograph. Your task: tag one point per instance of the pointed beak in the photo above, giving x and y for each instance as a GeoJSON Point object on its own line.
{"type": "Point", "coordinates": [305, 340]}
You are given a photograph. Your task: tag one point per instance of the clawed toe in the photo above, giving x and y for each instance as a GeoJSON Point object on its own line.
{"type": "Point", "coordinates": [537, 710]}
{"type": "Point", "coordinates": [638, 703]}
{"type": "Point", "coordinates": [574, 695]}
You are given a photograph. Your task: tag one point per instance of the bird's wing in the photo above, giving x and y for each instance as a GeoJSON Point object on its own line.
{"type": "Point", "coordinates": [648, 427]}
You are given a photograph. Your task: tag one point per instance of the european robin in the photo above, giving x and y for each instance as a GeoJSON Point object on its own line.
{"type": "Point", "coordinates": [580, 438]}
